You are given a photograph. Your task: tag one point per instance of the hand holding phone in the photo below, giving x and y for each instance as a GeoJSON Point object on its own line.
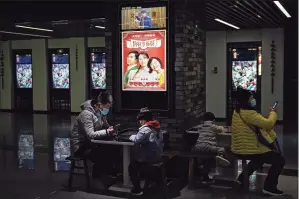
{"type": "Point", "coordinates": [273, 108]}
{"type": "Point", "coordinates": [111, 131]}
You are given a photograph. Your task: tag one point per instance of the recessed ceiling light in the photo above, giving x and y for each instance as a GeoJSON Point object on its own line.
{"type": "Point", "coordinates": [25, 34]}
{"type": "Point", "coordinates": [282, 9]}
{"type": "Point", "coordinates": [101, 27]}
{"type": "Point", "coordinates": [33, 28]}
{"type": "Point", "coordinates": [228, 24]}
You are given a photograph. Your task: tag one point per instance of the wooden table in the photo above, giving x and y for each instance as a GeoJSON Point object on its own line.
{"type": "Point", "coordinates": [126, 157]}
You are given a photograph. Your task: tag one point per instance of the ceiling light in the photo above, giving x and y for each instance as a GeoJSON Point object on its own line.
{"type": "Point", "coordinates": [259, 16]}
{"type": "Point", "coordinates": [18, 33]}
{"type": "Point", "coordinates": [228, 24]}
{"type": "Point", "coordinates": [282, 9]}
{"type": "Point", "coordinates": [60, 22]}
{"type": "Point", "coordinates": [102, 27]}
{"type": "Point", "coordinates": [33, 28]}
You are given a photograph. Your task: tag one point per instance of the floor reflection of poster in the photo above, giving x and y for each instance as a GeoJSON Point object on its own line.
{"type": "Point", "coordinates": [144, 60]}
{"type": "Point", "coordinates": [61, 152]}
{"type": "Point", "coordinates": [26, 151]}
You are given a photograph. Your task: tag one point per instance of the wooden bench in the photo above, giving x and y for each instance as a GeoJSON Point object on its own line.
{"type": "Point", "coordinates": [192, 158]}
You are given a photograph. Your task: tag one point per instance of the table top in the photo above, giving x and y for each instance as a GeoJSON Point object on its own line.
{"type": "Point", "coordinates": [194, 130]}
{"type": "Point", "coordinates": [112, 142]}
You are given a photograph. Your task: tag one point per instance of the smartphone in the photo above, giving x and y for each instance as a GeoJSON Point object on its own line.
{"type": "Point", "coordinates": [274, 105]}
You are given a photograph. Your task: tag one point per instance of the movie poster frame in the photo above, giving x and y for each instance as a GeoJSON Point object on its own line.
{"type": "Point", "coordinates": [14, 62]}
{"type": "Point", "coordinates": [165, 62]}
{"type": "Point", "coordinates": [50, 51]}
{"type": "Point", "coordinates": [91, 91]}
{"type": "Point", "coordinates": [170, 75]}
{"type": "Point", "coordinates": [229, 93]}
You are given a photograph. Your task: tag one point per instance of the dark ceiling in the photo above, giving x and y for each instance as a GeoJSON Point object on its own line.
{"type": "Point", "coordinates": [246, 14]}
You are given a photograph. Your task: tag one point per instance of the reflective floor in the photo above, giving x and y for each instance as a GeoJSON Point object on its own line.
{"type": "Point", "coordinates": [34, 148]}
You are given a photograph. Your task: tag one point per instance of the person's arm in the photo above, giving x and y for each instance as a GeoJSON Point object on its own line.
{"type": "Point", "coordinates": [141, 135]}
{"type": "Point", "coordinates": [87, 122]}
{"type": "Point", "coordinates": [258, 120]}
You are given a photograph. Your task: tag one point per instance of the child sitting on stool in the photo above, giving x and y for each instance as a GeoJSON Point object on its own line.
{"type": "Point", "coordinates": [207, 144]}
{"type": "Point", "coordinates": [147, 149]}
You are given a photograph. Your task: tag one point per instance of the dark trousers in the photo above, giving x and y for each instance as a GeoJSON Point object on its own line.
{"type": "Point", "coordinates": [138, 170]}
{"type": "Point", "coordinates": [105, 159]}
{"type": "Point", "coordinates": [276, 160]}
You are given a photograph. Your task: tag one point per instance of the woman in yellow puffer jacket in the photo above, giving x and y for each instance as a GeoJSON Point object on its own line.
{"type": "Point", "coordinates": [253, 138]}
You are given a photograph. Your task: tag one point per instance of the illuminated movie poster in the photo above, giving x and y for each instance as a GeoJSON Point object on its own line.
{"type": "Point", "coordinates": [133, 18]}
{"type": "Point", "coordinates": [144, 60]}
{"type": "Point", "coordinates": [60, 71]}
{"type": "Point", "coordinates": [98, 70]}
{"type": "Point", "coordinates": [24, 71]}
{"type": "Point", "coordinates": [245, 74]}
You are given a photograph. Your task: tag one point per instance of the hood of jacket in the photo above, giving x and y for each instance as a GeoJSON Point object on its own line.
{"type": "Point", "coordinates": [154, 124]}
{"type": "Point", "coordinates": [87, 106]}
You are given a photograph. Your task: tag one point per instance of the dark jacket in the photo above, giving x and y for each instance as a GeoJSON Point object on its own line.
{"type": "Point", "coordinates": [88, 125]}
{"type": "Point", "coordinates": [148, 143]}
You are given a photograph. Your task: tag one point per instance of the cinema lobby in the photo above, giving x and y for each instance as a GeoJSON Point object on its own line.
{"type": "Point", "coordinates": [182, 99]}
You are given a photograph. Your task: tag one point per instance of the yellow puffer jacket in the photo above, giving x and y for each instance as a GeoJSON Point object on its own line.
{"type": "Point", "coordinates": [244, 139]}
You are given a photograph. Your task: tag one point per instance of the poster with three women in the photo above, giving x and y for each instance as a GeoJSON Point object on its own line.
{"type": "Point", "coordinates": [144, 60]}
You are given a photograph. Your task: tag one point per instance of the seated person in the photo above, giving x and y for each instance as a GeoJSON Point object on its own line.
{"type": "Point", "coordinates": [90, 124]}
{"type": "Point", "coordinates": [148, 147]}
{"type": "Point", "coordinates": [207, 143]}
{"type": "Point", "coordinates": [254, 139]}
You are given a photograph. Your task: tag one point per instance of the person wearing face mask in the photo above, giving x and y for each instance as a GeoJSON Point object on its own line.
{"type": "Point", "coordinates": [90, 124]}
{"type": "Point", "coordinates": [254, 139]}
{"type": "Point", "coordinates": [147, 149]}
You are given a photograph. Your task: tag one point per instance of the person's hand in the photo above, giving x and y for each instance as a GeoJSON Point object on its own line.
{"type": "Point", "coordinates": [110, 131]}
{"type": "Point", "coordinates": [132, 138]}
{"type": "Point", "coordinates": [273, 109]}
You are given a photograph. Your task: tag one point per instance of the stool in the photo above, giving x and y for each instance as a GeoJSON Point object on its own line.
{"type": "Point", "coordinates": [162, 174]}
{"type": "Point", "coordinates": [74, 160]}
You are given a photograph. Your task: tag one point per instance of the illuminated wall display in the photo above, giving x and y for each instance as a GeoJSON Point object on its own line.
{"type": "Point", "coordinates": [143, 18]}
{"type": "Point", "coordinates": [60, 71]}
{"type": "Point", "coordinates": [98, 70]}
{"type": "Point", "coordinates": [144, 60]}
{"type": "Point", "coordinates": [23, 70]}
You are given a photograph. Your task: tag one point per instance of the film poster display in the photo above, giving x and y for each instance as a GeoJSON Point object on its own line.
{"type": "Point", "coordinates": [144, 60]}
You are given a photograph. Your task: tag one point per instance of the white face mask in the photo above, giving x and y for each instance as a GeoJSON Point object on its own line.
{"type": "Point", "coordinates": [252, 103]}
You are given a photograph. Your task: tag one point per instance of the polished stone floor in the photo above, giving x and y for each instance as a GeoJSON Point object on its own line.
{"type": "Point", "coordinates": [32, 165]}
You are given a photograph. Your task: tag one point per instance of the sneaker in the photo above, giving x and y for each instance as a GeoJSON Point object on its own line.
{"type": "Point", "coordinates": [222, 161]}
{"type": "Point", "coordinates": [136, 192]}
{"type": "Point", "coordinates": [272, 192]}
